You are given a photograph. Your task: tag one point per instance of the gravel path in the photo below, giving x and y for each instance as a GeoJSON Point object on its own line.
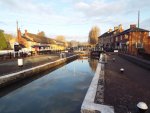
{"type": "Point", "coordinates": [124, 91]}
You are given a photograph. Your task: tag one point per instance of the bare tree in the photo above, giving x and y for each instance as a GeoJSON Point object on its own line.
{"type": "Point", "coordinates": [93, 35]}
{"type": "Point", "coordinates": [61, 38]}
{"type": "Point", "coordinates": [42, 34]}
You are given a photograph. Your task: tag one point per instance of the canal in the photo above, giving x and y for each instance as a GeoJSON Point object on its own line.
{"type": "Point", "coordinates": [59, 91]}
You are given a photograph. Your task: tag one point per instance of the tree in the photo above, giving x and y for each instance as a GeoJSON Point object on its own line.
{"type": "Point", "coordinates": [3, 43]}
{"type": "Point", "coordinates": [61, 38]}
{"type": "Point", "coordinates": [8, 38]}
{"type": "Point", "coordinates": [42, 34]}
{"type": "Point", "coordinates": [93, 35]}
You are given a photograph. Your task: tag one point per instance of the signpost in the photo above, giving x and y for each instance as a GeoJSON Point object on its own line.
{"type": "Point", "coordinates": [16, 48]}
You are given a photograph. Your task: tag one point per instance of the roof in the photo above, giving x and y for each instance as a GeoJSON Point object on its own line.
{"type": "Point", "coordinates": [107, 34]}
{"type": "Point", "coordinates": [39, 39]}
{"type": "Point", "coordinates": [22, 46]}
{"type": "Point", "coordinates": [26, 38]}
{"type": "Point", "coordinates": [124, 32]}
{"type": "Point", "coordinates": [132, 30]}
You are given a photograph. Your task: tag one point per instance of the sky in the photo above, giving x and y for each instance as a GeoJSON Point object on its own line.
{"type": "Point", "coordinates": [72, 18]}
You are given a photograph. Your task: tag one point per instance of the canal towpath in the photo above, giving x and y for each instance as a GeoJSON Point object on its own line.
{"type": "Point", "coordinates": [125, 90]}
{"type": "Point", "coordinates": [11, 66]}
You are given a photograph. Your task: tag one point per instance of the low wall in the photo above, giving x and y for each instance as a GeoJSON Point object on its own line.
{"type": "Point", "coordinates": [141, 62]}
{"type": "Point", "coordinates": [89, 105]}
{"type": "Point", "coordinates": [14, 77]}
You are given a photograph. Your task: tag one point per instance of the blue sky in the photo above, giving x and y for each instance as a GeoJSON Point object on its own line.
{"type": "Point", "coordinates": [71, 18]}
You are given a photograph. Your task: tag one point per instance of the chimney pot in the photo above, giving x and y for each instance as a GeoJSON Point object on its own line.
{"type": "Point", "coordinates": [110, 30]}
{"type": "Point", "coordinates": [133, 26]}
{"type": "Point", "coordinates": [116, 28]}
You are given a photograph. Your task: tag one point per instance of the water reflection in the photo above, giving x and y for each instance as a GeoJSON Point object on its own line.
{"type": "Point", "coordinates": [61, 91]}
{"type": "Point", "coordinates": [93, 64]}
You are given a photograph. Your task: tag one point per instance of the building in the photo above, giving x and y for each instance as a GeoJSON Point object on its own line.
{"type": "Point", "coordinates": [106, 40]}
{"type": "Point", "coordinates": [133, 40]}
{"type": "Point", "coordinates": [34, 42]}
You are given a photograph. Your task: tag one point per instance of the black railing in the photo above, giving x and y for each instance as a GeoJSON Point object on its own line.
{"type": "Point", "coordinates": [14, 55]}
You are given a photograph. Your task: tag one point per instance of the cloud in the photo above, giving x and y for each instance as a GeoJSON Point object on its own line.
{"type": "Point", "coordinates": [145, 24]}
{"type": "Point", "coordinates": [3, 23]}
{"type": "Point", "coordinates": [100, 8]}
{"type": "Point", "coordinates": [26, 6]}
{"type": "Point", "coordinates": [82, 6]}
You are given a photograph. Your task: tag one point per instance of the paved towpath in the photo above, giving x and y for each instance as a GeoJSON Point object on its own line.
{"type": "Point", "coordinates": [124, 91]}
{"type": "Point", "coordinates": [11, 66]}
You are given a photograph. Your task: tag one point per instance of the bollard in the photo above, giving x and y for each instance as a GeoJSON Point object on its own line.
{"type": "Point", "coordinates": [121, 70]}
{"type": "Point", "coordinates": [20, 62]}
{"type": "Point", "coordinates": [142, 107]}
{"type": "Point", "coordinates": [113, 59]}
{"type": "Point", "coordinates": [103, 58]}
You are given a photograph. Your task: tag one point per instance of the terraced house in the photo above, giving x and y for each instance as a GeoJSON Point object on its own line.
{"type": "Point", "coordinates": [34, 42]}
{"type": "Point", "coordinates": [133, 40]}
{"type": "Point", "coordinates": [106, 40]}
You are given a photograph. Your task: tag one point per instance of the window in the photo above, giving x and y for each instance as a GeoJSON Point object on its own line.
{"type": "Point", "coordinates": [120, 37]}
{"type": "Point", "coordinates": [116, 38]}
{"type": "Point", "coordinates": [126, 36]}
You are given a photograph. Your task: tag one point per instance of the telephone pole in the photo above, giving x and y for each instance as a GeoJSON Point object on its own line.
{"type": "Point", "coordinates": [138, 19]}
{"type": "Point", "coordinates": [17, 31]}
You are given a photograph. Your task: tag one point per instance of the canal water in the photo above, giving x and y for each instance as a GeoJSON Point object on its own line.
{"type": "Point", "coordinates": [60, 91]}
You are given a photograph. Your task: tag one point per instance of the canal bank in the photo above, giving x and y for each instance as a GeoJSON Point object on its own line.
{"type": "Point", "coordinates": [138, 61]}
{"type": "Point", "coordinates": [14, 77]}
{"type": "Point", "coordinates": [96, 91]}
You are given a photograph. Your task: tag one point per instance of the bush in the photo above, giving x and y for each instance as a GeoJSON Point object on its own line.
{"type": "Point", "coordinates": [3, 43]}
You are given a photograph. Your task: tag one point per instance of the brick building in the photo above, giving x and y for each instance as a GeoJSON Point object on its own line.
{"type": "Point", "coordinates": [106, 40]}
{"type": "Point", "coordinates": [132, 40]}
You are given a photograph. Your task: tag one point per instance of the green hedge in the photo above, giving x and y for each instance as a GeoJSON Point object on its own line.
{"type": "Point", "coordinates": [3, 43]}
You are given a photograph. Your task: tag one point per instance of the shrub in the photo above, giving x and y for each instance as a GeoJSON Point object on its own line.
{"type": "Point", "coordinates": [3, 43]}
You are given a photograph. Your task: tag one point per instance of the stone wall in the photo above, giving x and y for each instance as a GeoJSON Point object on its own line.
{"type": "Point", "coordinates": [89, 105]}
{"type": "Point", "coordinates": [141, 62]}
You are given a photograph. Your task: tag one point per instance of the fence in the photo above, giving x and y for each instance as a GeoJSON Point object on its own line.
{"type": "Point", "coordinates": [10, 54]}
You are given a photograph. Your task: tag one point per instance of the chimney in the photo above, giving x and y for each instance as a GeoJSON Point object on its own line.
{"type": "Point", "coordinates": [19, 35]}
{"type": "Point", "coordinates": [115, 28]}
{"type": "Point", "coordinates": [132, 26]}
{"type": "Point", "coordinates": [26, 32]}
{"type": "Point", "coordinates": [120, 28]}
{"type": "Point", "coordinates": [110, 30]}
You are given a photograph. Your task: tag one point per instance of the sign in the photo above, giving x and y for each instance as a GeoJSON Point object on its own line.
{"type": "Point", "coordinates": [115, 51]}
{"type": "Point", "coordinates": [16, 46]}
